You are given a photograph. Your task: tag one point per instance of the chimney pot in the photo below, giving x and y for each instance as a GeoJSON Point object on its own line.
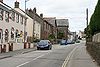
{"type": "Point", "coordinates": [34, 10]}
{"type": "Point", "coordinates": [16, 4]}
{"type": "Point", "coordinates": [41, 15]}
{"type": "Point", "coordinates": [1, 1]}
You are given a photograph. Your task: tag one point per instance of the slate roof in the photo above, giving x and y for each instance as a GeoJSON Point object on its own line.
{"type": "Point", "coordinates": [62, 22]}
{"type": "Point", "coordinates": [51, 20]}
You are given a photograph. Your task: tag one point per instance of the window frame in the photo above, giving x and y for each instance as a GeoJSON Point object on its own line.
{"type": "Point", "coordinates": [17, 18]}
{"type": "Point", "coordinates": [1, 16]}
{"type": "Point", "coordinates": [12, 16]}
{"type": "Point", "coordinates": [21, 19]}
{"type": "Point", "coordinates": [6, 16]}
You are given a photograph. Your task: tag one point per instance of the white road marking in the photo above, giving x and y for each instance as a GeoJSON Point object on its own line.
{"type": "Point", "coordinates": [31, 60]}
{"type": "Point", "coordinates": [68, 57]}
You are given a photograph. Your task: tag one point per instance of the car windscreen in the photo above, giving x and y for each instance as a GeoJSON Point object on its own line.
{"type": "Point", "coordinates": [63, 41]}
{"type": "Point", "coordinates": [43, 43]}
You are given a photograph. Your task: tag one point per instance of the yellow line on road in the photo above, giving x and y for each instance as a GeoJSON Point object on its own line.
{"type": "Point", "coordinates": [68, 57]}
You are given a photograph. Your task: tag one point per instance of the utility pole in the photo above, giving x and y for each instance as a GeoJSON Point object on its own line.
{"type": "Point", "coordinates": [25, 23]}
{"type": "Point", "coordinates": [86, 24]}
{"type": "Point", "coordinates": [87, 16]}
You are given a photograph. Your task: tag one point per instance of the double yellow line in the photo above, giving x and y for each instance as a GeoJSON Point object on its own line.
{"type": "Point", "coordinates": [68, 57]}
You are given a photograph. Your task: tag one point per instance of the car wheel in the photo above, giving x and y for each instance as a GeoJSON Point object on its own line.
{"type": "Point", "coordinates": [38, 48]}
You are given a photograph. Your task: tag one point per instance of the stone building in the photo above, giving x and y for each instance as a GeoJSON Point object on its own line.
{"type": "Point", "coordinates": [52, 21]}
{"type": "Point", "coordinates": [47, 30]}
{"type": "Point", "coordinates": [62, 28]}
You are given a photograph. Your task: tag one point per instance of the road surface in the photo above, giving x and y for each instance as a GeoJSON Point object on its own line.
{"type": "Point", "coordinates": [57, 57]}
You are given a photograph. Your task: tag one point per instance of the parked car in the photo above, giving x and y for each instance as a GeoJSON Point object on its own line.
{"type": "Point", "coordinates": [44, 44]}
{"type": "Point", "coordinates": [63, 42]}
{"type": "Point", "coordinates": [70, 41]}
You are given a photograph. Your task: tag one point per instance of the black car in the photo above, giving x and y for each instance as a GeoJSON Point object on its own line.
{"type": "Point", "coordinates": [44, 44]}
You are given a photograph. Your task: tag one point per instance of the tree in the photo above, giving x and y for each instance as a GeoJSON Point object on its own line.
{"type": "Point", "coordinates": [60, 35]}
{"type": "Point", "coordinates": [95, 20]}
{"type": "Point", "coordinates": [51, 36]}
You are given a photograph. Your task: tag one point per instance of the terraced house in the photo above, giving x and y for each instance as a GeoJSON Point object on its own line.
{"type": "Point", "coordinates": [11, 28]}
{"type": "Point", "coordinates": [28, 28]}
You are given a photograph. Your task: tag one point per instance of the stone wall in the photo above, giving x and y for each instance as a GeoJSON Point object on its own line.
{"type": "Point", "coordinates": [96, 38]}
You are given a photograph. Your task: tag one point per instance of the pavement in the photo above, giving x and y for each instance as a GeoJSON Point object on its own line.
{"type": "Point", "coordinates": [81, 58]}
{"type": "Point", "coordinates": [16, 52]}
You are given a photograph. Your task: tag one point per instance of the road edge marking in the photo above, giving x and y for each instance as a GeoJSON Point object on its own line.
{"type": "Point", "coordinates": [68, 57]}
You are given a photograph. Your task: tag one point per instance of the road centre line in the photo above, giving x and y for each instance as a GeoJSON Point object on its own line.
{"type": "Point", "coordinates": [68, 57]}
{"type": "Point", "coordinates": [32, 60]}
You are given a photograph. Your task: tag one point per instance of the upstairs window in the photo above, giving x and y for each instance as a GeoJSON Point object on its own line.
{"type": "Point", "coordinates": [17, 18]}
{"type": "Point", "coordinates": [0, 33]}
{"type": "Point", "coordinates": [7, 16]}
{"type": "Point", "coordinates": [21, 19]}
{"type": "Point", "coordinates": [12, 16]}
{"type": "Point", "coordinates": [1, 14]}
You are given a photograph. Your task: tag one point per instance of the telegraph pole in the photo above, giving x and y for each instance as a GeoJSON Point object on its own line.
{"type": "Point", "coordinates": [86, 25]}
{"type": "Point", "coordinates": [25, 23]}
{"type": "Point", "coordinates": [87, 16]}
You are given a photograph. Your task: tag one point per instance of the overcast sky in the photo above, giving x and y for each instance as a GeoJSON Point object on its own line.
{"type": "Point", "coordinates": [74, 10]}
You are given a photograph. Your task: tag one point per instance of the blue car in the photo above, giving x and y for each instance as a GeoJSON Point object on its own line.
{"type": "Point", "coordinates": [63, 42]}
{"type": "Point", "coordinates": [70, 41]}
{"type": "Point", "coordinates": [44, 44]}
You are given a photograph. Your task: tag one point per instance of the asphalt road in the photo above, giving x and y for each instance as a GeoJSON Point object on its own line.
{"type": "Point", "coordinates": [40, 58]}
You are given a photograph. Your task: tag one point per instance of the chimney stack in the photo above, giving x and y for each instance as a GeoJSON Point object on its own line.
{"type": "Point", "coordinates": [34, 10]}
{"type": "Point", "coordinates": [1, 1]}
{"type": "Point", "coordinates": [16, 4]}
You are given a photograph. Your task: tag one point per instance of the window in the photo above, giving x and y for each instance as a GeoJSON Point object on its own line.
{"type": "Point", "coordinates": [21, 33]}
{"type": "Point", "coordinates": [21, 19]}
{"type": "Point", "coordinates": [17, 18]}
{"type": "Point", "coordinates": [0, 33]}
{"type": "Point", "coordinates": [7, 16]}
{"type": "Point", "coordinates": [6, 35]}
{"type": "Point", "coordinates": [1, 14]}
{"type": "Point", "coordinates": [12, 33]}
{"type": "Point", "coordinates": [12, 16]}
{"type": "Point", "coordinates": [24, 20]}
{"type": "Point", "coordinates": [16, 33]}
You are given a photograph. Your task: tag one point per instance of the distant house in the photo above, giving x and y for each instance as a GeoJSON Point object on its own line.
{"type": "Point", "coordinates": [52, 21]}
{"type": "Point", "coordinates": [46, 30]}
{"type": "Point", "coordinates": [72, 36]}
{"type": "Point", "coordinates": [81, 34]}
{"type": "Point", "coordinates": [62, 28]}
